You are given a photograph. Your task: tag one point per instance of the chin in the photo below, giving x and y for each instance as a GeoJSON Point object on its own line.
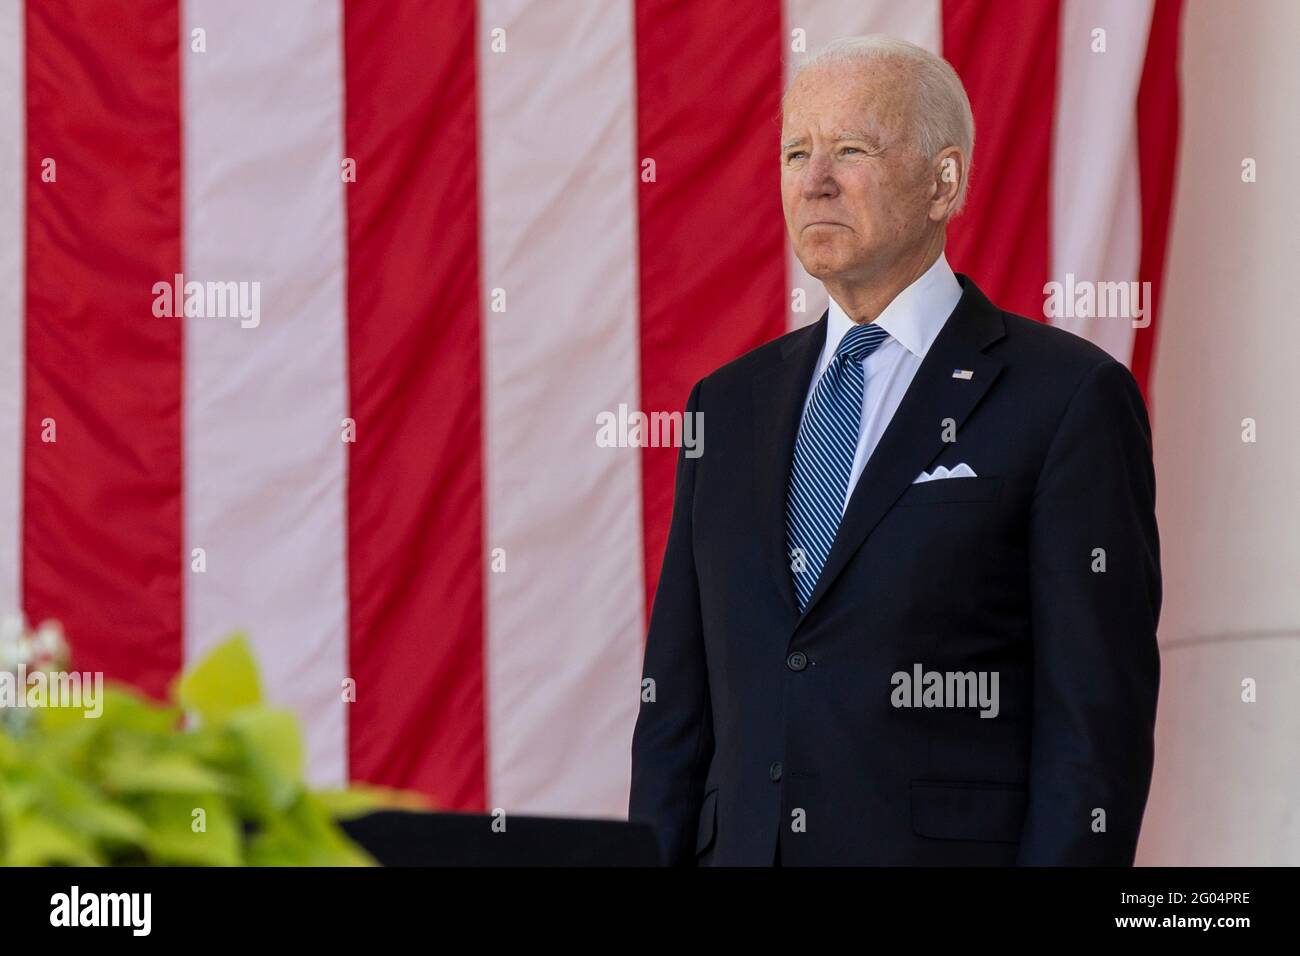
{"type": "Point", "coordinates": [824, 265]}
{"type": "Point", "coordinates": [823, 273]}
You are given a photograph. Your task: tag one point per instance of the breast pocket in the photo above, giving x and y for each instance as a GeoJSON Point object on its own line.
{"type": "Point", "coordinates": [943, 490]}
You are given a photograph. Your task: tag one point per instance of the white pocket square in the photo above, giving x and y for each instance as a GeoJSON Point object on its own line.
{"type": "Point", "coordinates": [957, 471]}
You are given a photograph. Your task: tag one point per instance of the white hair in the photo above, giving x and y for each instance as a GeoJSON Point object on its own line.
{"type": "Point", "coordinates": [941, 109]}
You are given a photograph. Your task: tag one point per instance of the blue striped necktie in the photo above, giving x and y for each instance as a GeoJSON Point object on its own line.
{"type": "Point", "coordinates": [823, 458]}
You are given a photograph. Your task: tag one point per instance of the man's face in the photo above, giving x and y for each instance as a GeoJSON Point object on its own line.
{"type": "Point", "coordinates": [856, 193]}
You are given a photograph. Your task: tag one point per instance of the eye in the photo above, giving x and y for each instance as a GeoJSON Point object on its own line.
{"type": "Point", "coordinates": [850, 149]}
{"type": "Point", "coordinates": [792, 155]}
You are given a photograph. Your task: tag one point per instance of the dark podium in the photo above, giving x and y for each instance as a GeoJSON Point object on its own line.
{"type": "Point", "coordinates": [399, 838]}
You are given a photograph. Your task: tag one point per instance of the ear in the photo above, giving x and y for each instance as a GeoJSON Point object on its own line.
{"type": "Point", "coordinates": [948, 171]}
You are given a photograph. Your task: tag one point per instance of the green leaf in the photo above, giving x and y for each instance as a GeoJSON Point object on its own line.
{"type": "Point", "coordinates": [273, 737]}
{"type": "Point", "coordinates": [108, 822]}
{"type": "Point", "coordinates": [181, 836]}
{"type": "Point", "coordinates": [223, 682]}
{"type": "Point", "coordinates": [35, 841]}
{"type": "Point", "coordinates": [274, 754]}
{"type": "Point", "coordinates": [9, 750]}
{"type": "Point", "coordinates": [305, 836]}
{"type": "Point", "coordinates": [123, 708]}
{"type": "Point", "coordinates": [160, 773]}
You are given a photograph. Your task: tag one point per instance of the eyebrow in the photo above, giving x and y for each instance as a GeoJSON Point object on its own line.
{"type": "Point", "coordinates": [847, 134]}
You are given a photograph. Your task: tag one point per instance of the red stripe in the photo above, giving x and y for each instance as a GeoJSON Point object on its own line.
{"type": "Point", "coordinates": [1157, 118]}
{"type": "Point", "coordinates": [712, 234]}
{"type": "Point", "coordinates": [415, 488]}
{"type": "Point", "coordinates": [1006, 55]}
{"type": "Point", "coordinates": [102, 533]}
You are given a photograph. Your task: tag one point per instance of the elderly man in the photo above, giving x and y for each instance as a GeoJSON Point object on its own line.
{"type": "Point", "coordinates": [908, 605]}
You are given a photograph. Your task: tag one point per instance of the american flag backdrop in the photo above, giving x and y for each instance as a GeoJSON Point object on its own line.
{"type": "Point", "coordinates": [473, 228]}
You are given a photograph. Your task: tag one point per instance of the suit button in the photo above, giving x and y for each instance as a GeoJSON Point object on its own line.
{"type": "Point", "coordinates": [797, 661]}
{"type": "Point", "coordinates": [774, 771]}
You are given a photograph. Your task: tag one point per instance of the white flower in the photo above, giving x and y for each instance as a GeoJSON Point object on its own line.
{"type": "Point", "coordinates": [48, 642]}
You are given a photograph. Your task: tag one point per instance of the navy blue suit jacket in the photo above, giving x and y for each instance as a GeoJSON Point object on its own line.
{"type": "Point", "coordinates": [761, 723]}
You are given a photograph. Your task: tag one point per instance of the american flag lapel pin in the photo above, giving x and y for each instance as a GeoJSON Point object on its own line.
{"type": "Point", "coordinates": [964, 374]}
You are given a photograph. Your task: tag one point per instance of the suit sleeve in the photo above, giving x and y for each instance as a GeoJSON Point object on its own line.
{"type": "Point", "coordinates": [673, 740]}
{"type": "Point", "coordinates": [1095, 591]}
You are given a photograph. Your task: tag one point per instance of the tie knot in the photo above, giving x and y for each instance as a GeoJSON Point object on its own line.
{"type": "Point", "coordinates": [860, 341]}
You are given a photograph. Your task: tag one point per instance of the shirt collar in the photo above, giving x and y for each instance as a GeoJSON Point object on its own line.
{"type": "Point", "coordinates": [914, 317]}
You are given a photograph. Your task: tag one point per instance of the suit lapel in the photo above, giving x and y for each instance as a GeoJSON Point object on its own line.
{"type": "Point", "coordinates": [779, 395]}
{"type": "Point", "coordinates": [914, 437]}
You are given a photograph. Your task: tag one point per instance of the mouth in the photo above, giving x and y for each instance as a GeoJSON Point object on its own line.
{"type": "Point", "coordinates": [825, 222]}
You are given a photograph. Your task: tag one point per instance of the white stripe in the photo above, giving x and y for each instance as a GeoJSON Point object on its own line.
{"type": "Point", "coordinates": [13, 184]}
{"type": "Point", "coordinates": [565, 620]}
{"type": "Point", "coordinates": [1096, 205]}
{"type": "Point", "coordinates": [819, 22]}
{"type": "Point", "coordinates": [265, 463]}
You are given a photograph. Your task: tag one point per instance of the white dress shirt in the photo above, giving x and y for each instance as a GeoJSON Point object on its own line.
{"type": "Point", "coordinates": [913, 320]}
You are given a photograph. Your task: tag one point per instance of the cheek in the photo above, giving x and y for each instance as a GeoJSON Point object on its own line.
{"type": "Point", "coordinates": [869, 208]}
{"type": "Point", "coordinates": [789, 195]}
{"type": "Point", "coordinates": [895, 206]}
{"type": "Point", "coordinates": [789, 192]}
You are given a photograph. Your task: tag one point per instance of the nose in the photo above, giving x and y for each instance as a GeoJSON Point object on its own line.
{"type": "Point", "coordinates": [818, 181]}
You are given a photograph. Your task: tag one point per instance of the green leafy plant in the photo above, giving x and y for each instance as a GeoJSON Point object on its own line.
{"type": "Point", "coordinates": [138, 786]}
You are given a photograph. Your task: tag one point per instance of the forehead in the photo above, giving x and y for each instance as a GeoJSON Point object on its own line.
{"type": "Point", "coordinates": [872, 98]}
